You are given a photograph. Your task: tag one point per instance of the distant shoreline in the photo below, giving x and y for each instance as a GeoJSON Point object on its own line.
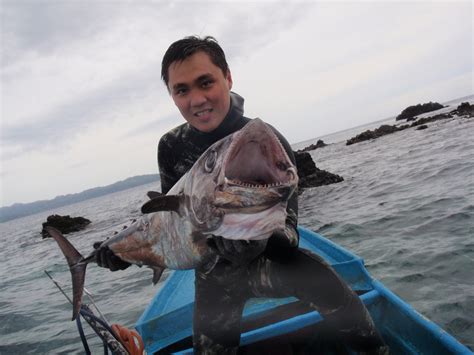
{"type": "Point", "coordinates": [19, 210]}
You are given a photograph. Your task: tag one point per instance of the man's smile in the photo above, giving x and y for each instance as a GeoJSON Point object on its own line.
{"type": "Point", "coordinates": [203, 112]}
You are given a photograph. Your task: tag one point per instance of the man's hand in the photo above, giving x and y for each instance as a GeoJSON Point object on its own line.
{"type": "Point", "coordinates": [237, 251]}
{"type": "Point", "coordinates": [106, 258]}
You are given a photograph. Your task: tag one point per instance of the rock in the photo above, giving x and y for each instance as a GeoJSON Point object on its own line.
{"type": "Point", "coordinates": [310, 175]}
{"type": "Point", "coordinates": [65, 224]}
{"type": "Point", "coordinates": [464, 109]}
{"type": "Point", "coordinates": [423, 126]}
{"type": "Point", "coordinates": [376, 133]}
{"type": "Point", "coordinates": [319, 144]}
{"type": "Point", "coordinates": [410, 112]}
{"type": "Point", "coordinates": [424, 120]}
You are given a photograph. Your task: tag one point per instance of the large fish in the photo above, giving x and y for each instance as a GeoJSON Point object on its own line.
{"type": "Point", "coordinates": [237, 189]}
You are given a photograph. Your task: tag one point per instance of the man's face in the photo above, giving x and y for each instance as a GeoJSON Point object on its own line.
{"type": "Point", "coordinates": [200, 90]}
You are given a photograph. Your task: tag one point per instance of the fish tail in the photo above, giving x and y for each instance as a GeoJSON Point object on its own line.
{"type": "Point", "coordinates": [77, 266]}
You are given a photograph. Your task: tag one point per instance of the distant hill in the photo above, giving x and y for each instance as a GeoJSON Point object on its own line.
{"type": "Point", "coordinates": [25, 209]}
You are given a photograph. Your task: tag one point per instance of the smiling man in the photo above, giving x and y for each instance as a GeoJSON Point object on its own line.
{"type": "Point", "coordinates": [200, 90]}
{"type": "Point", "coordinates": [199, 81]}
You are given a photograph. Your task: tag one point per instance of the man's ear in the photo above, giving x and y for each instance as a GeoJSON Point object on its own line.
{"type": "Point", "coordinates": [228, 77]}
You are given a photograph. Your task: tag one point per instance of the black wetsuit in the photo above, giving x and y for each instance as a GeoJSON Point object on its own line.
{"type": "Point", "coordinates": [279, 269]}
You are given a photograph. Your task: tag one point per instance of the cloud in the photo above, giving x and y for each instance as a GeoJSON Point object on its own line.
{"type": "Point", "coordinates": [71, 118]}
{"type": "Point", "coordinates": [155, 125]}
{"type": "Point", "coordinates": [42, 26]}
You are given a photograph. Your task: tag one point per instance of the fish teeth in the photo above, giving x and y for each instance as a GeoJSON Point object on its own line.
{"type": "Point", "coordinates": [256, 186]}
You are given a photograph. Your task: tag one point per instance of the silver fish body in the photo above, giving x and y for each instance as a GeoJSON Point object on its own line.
{"type": "Point", "coordinates": [237, 189]}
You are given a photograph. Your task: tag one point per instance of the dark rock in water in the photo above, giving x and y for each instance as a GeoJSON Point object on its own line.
{"type": "Point", "coordinates": [376, 133]}
{"type": "Point", "coordinates": [310, 175]}
{"type": "Point", "coordinates": [424, 120]}
{"type": "Point", "coordinates": [65, 224]}
{"type": "Point", "coordinates": [410, 112]}
{"type": "Point", "coordinates": [464, 109]}
{"type": "Point", "coordinates": [422, 127]}
{"type": "Point", "coordinates": [319, 144]}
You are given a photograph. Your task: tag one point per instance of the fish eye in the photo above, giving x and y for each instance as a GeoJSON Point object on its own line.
{"type": "Point", "coordinates": [210, 161]}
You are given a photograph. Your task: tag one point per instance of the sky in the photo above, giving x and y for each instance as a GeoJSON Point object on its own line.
{"type": "Point", "coordinates": [83, 105]}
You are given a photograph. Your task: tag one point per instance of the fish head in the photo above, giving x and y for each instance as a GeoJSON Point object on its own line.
{"type": "Point", "coordinates": [240, 186]}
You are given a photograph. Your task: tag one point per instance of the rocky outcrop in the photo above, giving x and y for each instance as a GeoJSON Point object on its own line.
{"type": "Point", "coordinates": [319, 144]}
{"type": "Point", "coordinates": [376, 133]}
{"type": "Point", "coordinates": [310, 175]}
{"type": "Point", "coordinates": [65, 224]}
{"type": "Point", "coordinates": [465, 109]}
{"type": "Point", "coordinates": [425, 120]}
{"type": "Point", "coordinates": [410, 112]}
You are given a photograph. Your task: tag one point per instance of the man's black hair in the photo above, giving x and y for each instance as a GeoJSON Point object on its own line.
{"type": "Point", "coordinates": [184, 48]}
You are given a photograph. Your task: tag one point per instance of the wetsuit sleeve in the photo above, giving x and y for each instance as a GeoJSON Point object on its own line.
{"type": "Point", "coordinates": [166, 164]}
{"type": "Point", "coordinates": [280, 243]}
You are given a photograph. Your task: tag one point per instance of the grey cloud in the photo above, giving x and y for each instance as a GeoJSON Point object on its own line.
{"type": "Point", "coordinates": [155, 125]}
{"type": "Point", "coordinates": [259, 28]}
{"type": "Point", "coordinates": [42, 26]}
{"type": "Point", "coordinates": [70, 119]}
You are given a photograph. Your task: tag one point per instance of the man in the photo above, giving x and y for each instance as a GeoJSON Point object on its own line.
{"type": "Point", "coordinates": [199, 81]}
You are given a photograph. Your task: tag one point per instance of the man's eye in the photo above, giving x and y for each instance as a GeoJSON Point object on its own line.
{"type": "Point", "coordinates": [206, 83]}
{"type": "Point", "coordinates": [180, 92]}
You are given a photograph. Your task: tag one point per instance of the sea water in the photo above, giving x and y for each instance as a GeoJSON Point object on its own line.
{"type": "Point", "coordinates": [406, 206]}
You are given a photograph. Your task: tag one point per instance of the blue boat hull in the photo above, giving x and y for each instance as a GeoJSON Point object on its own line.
{"type": "Point", "coordinates": [166, 324]}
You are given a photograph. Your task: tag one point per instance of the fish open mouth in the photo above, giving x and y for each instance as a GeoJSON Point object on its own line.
{"type": "Point", "coordinates": [259, 164]}
{"type": "Point", "coordinates": [258, 172]}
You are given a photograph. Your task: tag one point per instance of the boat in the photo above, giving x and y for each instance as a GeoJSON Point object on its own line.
{"type": "Point", "coordinates": [166, 324]}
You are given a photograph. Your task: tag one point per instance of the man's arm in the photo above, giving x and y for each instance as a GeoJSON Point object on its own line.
{"type": "Point", "coordinates": [282, 244]}
{"type": "Point", "coordinates": [165, 164]}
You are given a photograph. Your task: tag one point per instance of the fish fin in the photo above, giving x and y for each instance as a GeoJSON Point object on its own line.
{"type": "Point", "coordinates": [71, 253]}
{"type": "Point", "coordinates": [157, 272]}
{"type": "Point", "coordinates": [163, 203]}
{"type": "Point", "coordinates": [77, 268]}
{"type": "Point", "coordinates": [78, 274]}
{"type": "Point", "coordinates": [152, 194]}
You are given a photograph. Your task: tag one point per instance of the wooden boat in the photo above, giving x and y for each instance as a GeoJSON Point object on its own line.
{"type": "Point", "coordinates": [166, 324]}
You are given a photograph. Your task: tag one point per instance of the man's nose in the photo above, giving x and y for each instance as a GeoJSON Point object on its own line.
{"type": "Point", "coordinates": [197, 98]}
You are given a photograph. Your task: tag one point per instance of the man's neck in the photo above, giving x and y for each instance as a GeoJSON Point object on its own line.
{"type": "Point", "coordinates": [226, 127]}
